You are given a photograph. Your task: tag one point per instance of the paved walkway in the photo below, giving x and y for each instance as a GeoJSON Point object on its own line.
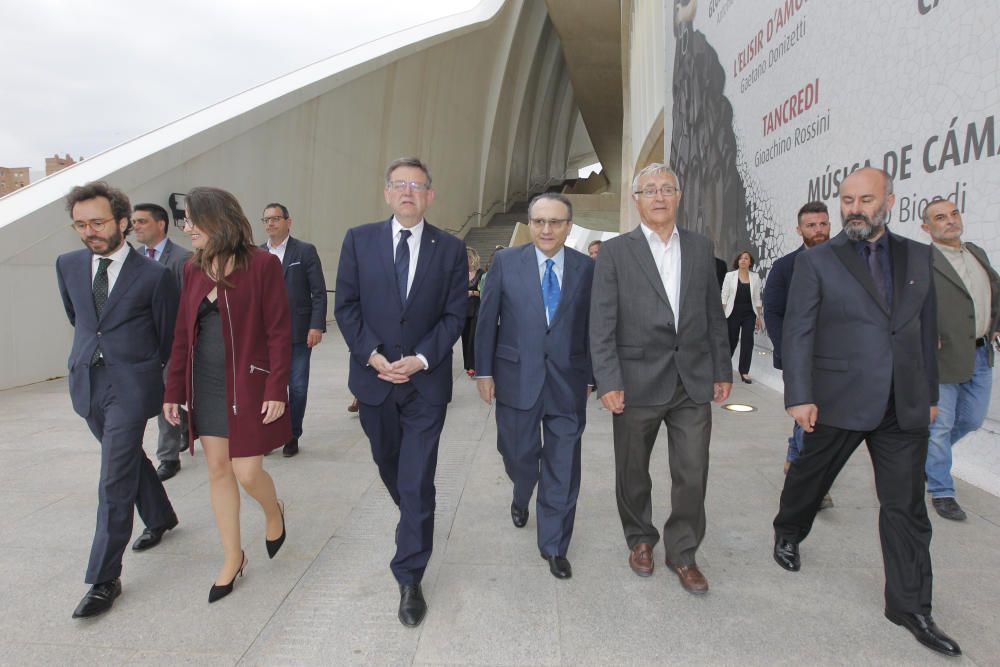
{"type": "Point", "coordinates": [329, 599]}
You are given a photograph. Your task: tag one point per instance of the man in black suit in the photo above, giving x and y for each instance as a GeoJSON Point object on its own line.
{"type": "Point", "coordinates": [306, 289]}
{"type": "Point", "coordinates": [122, 308]}
{"type": "Point", "coordinates": [149, 226]}
{"type": "Point", "coordinates": [401, 303]}
{"type": "Point", "coordinates": [859, 357]}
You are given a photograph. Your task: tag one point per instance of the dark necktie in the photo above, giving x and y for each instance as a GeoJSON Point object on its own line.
{"type": "Point", "coordinates": [151, 253]}
{"type": "Point", "coordinates": [100, 298]}
{"type": "Point", "coordinates": [550, 290]}
{"type": "Point", "coordinates": [403, 263]}
{"type": "Point", "coordinates": [872, 251]}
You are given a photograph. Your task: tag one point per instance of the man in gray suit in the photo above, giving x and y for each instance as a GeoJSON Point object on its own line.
{"type": "Point", "coordinates": [149, 225]}
{"type": "Point", "coordinates": [968, 297]}
{"type": "Point", "coordinates": [660, 349]}
{"type": "Point", "coordinates": [859, 345]}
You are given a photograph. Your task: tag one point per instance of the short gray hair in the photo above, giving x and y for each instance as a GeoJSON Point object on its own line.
{"type": "Point", "coordinates": [655, 168]}
{"type": "Point", "coordinates": [554, 196]}
{"type": "Point", "coordinates": [408, 162]}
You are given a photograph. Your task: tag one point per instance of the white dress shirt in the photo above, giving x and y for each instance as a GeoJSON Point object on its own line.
{"type": "Point", "coordinates": [558, 261]}
{"type": "Point", "coordinates": [417, 231]}
{"type": "Point", "coordinates": [117, 261]}
{"type": "Point", "coordinates": [279, 252]}
{"type": "Point", "coordinates": [667, 257]}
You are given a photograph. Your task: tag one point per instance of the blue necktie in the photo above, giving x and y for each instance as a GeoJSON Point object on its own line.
{"type": "Point", "coordinates": [403, 263]}
{"type": "Point", "coordinates": [550, 290]}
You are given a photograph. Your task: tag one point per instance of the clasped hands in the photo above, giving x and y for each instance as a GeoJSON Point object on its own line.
{"type": "Point", "coordinates": [396, 372]}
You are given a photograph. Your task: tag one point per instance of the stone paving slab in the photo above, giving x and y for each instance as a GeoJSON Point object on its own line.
{"type": "Point", "coordinates": [329, 598]}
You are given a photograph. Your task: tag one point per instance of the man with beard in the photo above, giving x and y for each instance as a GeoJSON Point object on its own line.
{"type": "Point", "coordinates": [122, 308]}
{"type": "Point", "coordinates": [859, 358]}
{"type": "Point", "coordinates": [814, 228]}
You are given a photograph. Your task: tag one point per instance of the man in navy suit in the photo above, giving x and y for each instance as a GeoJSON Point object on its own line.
{"type": "Point", "coordinates": [306, 289]}
{"type": "Point", "coordinates": [122, 308]}
{"type": "Point", "coordinates": [401, 303]}
{"type": "Point", "coordinates": [533, 354]}
{"type": "Point", "coordinates": [150, 223]}
{"type": "Point", "coordinates": [814, 228]}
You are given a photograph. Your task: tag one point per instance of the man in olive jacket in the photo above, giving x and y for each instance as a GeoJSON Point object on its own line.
{"type": "Point", "coordinates": [968, 297]}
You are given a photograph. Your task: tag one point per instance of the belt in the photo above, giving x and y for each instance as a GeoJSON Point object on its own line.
{"type": "Point", "coordinates": [981, 341]}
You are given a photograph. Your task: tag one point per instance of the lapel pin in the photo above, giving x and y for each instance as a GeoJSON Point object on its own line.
{"type": "Point", "coordinates": [911, 282]}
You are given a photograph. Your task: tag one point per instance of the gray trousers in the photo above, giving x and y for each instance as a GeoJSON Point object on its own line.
{"type": "Point", "coordinates": [172, 438]}
{"type": "Point", "coordinates": [689, 430]}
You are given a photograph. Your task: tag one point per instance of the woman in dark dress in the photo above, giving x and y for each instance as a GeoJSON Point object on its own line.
{"type": "Point", "coordinates": [742, 305]}
{"type": "Point", "coordinates": [469, 332]}
{"type": "Point", "coordinates": [229, 365]}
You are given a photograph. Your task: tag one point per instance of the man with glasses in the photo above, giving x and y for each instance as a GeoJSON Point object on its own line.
{"type": "Point", "coordinates": [122, 308]}
{"type": "Point", "coordinates": [660, 349]}
{"type": "Point", "coordinates": [306, 289]}
{"type": "Point", "coordinates": [401, 301]}
{"type": "Point", "coordinates": [149, 225]}
{"type": "Point", "coordinates": [533, 356]}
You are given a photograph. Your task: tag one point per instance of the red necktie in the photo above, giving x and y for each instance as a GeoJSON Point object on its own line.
{"type": "Point", "coordinates": [151, 253]}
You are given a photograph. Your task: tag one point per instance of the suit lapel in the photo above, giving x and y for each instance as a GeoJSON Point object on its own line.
{"type": "Point", "coordinates": [687, 259]}
{"type": "Point", "coordinates": [533, 283]}
{"type": "Point", "coordinates": [567, 290]}
{"type": "Point", "coordinates": [126, 278]}
{"type": "Point", "coordinates": [291, 254]}
{"type": "Point", "coordinates": [428, 246]}
{"type": "Point", "coordinates": [644, 258]}
{"type": "Point", "coordinates": [946, 270]}
{"type": "Point", "coordinates": [844, 249]}
{"type": "Point", "coordinates": [165, 255]}
{"type": "Point", "coordinates": [384, 250]}
{"type": "Point", "coordinates": [900, 257]}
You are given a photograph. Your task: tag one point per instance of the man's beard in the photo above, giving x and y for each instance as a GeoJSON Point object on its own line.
{"type": "Point", "coordinates": [816, 240]}
{"type": "Point", "coordinates": [868, 227]}
{"type": "Point", "coordinates": [113, 243]}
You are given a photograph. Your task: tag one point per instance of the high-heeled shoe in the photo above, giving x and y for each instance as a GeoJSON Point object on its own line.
{"type": "Point", "coordinates": [274, 545]}
{"type": "Point", "coordinates": [218, 592]}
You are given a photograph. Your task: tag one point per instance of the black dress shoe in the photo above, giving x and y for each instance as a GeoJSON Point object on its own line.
{"type": "Point", "coordinates": [274, 545]}
{"type": "Point", "coordinates": [291, 448]}
{"type": "Point", "coordinates": [98, 599]}
{"type": "Point", "coordinates": [746, 379]}
{"type": "Point", "coordinates": [948, 508]}
{"type": "Point", "coordinates": [786, 554]}
{"type": "Point", "coordinates": [926, 631]}
{"type": "Point", "coordinates": [168, 469]}
{"type": "Point", "coordinates": [518, 516]}
{"type": "Point", "coordinates": [152, 536]}
{"type": "Point", "coordinates": [217, 592]}
{"type": "Point", "coordinates": [559, 566]}
{"type": "Point", "coordinates": [412, 607]}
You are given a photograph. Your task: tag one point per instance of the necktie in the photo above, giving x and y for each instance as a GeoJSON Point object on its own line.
{"type": "Point", "coordinates": [872, 251]}
{"type": "Point", "coordinates": [403, 263]}
{"type": "Point", "coordinates": [151, 253]}
{"type": "Point", "coordinates": [550, 290]}
{"type": "Point", "coordinates": [100, 298]}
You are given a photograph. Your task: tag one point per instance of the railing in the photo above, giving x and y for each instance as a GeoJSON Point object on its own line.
{"type": "Point", "coordinates": [489, 209]}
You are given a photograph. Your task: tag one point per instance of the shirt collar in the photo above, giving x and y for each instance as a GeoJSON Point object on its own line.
{"type": "Point", "coordinates": [280, 246]}
{"type": "Point", "coordinates": [947, 249]}
{"type": "Point", "coordinates": [557, 259]}
{"type": "Point", "coordinates": [160, 246]}
{"type": "Point", "coordinates": [117, 256]}
{"type": "Point", "coordinates": [883, 242]}
{"type": "Point", "coordinates": [416, 229]}
{"type": "Point", "coordinates": [653, 236]}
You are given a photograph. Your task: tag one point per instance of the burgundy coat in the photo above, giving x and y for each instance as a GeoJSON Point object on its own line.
{"type": "Point", "coordinates": [256, 331]}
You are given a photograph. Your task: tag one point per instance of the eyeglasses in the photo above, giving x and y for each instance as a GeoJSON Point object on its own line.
{"type": "Point", "coordinates": [551, 223]}
{"type": "Point", "coordinates": [182, 223]}
{"type": "Point", "coordinates": [273, 218]}
{"type": "Point", "coordinates": [96, 224]}
{"type": "Point", "coordinates": [399, 186]}
{"type": "Point", "coordinates": [650, 191]}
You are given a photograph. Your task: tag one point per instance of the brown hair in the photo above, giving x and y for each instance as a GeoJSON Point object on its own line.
{"type": "Point", "coordinates": [230, 237]}
{"type": "Point", "coordinates": [736, 262]}
{"type": "Point", "coordinates": [121, 207]}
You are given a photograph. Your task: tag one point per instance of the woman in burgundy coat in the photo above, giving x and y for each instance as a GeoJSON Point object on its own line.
{"type": "Point", "coordinates": [229, 366]}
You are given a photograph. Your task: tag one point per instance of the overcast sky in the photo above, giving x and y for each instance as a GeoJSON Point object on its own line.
{"type": "Point", "coordinates": [81, 77]}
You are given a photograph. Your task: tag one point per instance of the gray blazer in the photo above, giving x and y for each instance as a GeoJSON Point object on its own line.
{"type": "Point", "coordinates": [636, 344]}
{"type": "Point", "coordinates": [842, 348]}
{"type": "Point", "coordinates": [956, 317]}
{"type": "Point", "coordinates": [173, 257]}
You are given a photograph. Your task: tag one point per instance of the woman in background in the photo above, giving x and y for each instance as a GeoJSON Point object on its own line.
{"type": "Point", "coordinates": [469, 331]}
{"type": "Point", "coordinates": [742, 305]}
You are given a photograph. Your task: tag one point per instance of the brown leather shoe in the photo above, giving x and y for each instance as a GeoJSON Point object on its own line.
{"type": "Point", "coordinates": [692, 579]}
{"type": "Point", "coordinates": [640, 559]}
{"type": "Point", "coordinates": [353, 407]}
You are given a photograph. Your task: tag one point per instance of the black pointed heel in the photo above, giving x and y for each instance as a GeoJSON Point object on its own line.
{"type": "Point", "coordinates": [274, 545]}
{"type": "Point", "coordinates": [218, 592]}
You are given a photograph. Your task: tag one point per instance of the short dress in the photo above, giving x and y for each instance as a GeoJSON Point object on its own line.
{"type": "Point", "coordinates": [210, 415]}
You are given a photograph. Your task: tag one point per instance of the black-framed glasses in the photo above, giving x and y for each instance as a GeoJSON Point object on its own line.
{"type": "Point", "coordinates": [650, 191]}
{"type": "Point", "coordinates": [96, 224]}
{"type": "Point", "coordinates": [272, 218]}
{"type": "Point", "coordinates": [551, 223]}
{"type": "Point", "coordinates": [399, 186]}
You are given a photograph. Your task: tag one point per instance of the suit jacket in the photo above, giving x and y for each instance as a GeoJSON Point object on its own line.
{"type": "Point", "coordinates": [636, 343]}
{"type": "Point", "coordinates": [306, 288]}
{"type": "Point", "coordinates": [371, 317]}
{"type": "Point", "coordinates": [135, 330]}
{"type": "Point", "coordinates": [776, 297]}
{"type": "Point", "coordinates": [728, 292]}
{"type": "Point", "coordinates": [956, 317]}
{"type": "Point", "coordinates": [842, 348]}
{"type": "Point", "coordinates": [258, 352]}
{"type": "Point", "coordinates": [519, 349]}
{"type": "Point", "coordinates": [173, 257]}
